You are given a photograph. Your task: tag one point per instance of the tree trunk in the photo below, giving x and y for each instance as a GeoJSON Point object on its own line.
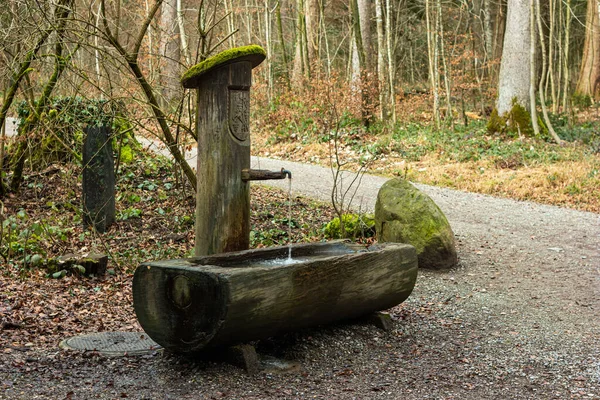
{"type": "Point", "coordinates": [447, 73]}
{"type": "Point", "coordinates": [282, 43]}
{"type": "Point", "coordinates": [360, 49]}
{"type": "Point", "coordinates": [299, 57]}
{"type": "Point", "coordinates": [499, 30]}
{"type": "Point", "coordinates": [381, 73]}
{"type": "Point", "coordinates": [487, 30]}
{"type": "Point", "coordinates": [312, 15]}
{"type": "Point", "coordinates": [432, 57]}
{"type": "Point", "coordinates": [364, 12]}
{"type": "Point", "coordinates": [183, 36]}
{"type": "Point", "coordinates": [391, 54]}
{"type": "Point", "coordinates": [551, 45]}
{"type": "Point", "coordinates": [268, 47]}
{"type": "Point", "coordinates": [566, 75]}
{"type": "Point", "coordinates": [514, 80]}
{"type": "Point", "coordinates": [588, 83]}
{"type": "Point", "coordinates": [543, 74]}
{"type": "Point", "coordinates": [533, 110]}
{"type": "Point", "coordinates": [169, 50]}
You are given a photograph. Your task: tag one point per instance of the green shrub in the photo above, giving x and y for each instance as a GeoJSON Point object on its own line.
{"type": "Point", "coordinates": [355, 225]}
{"type": "Point", "coordinates": [581, 100]}
{"type": "Point", "coordinates": [126, 154]}
{"type": "Point", "coordinates": [63, 120]}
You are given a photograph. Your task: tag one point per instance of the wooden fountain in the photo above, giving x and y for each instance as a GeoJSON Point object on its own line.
{"type": "Point", "coordinates": [228, 294]}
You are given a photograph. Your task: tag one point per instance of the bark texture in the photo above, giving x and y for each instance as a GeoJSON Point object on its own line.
{"type": "Point", "coordinates": [187, 305]}
{"type": "Point", "coordinates": [169, 48]}
{"type": "Point", "coordinates": [222, 198]}
{"type": "Point", "coordinates": [588, 83]}
{"type": "Point", "coordinates": [514, 77]}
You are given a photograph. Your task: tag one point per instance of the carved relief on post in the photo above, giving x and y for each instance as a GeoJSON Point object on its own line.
{"type": "Point", "coordinates": [239, 114]}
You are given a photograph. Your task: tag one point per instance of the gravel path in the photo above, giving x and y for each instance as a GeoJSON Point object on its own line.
{"type": "Point", "coordinates": [518, 319]}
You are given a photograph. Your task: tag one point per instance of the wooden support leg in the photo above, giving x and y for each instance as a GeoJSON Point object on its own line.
{"type": "Point", "coordinates": [381, 320]}
{"type": "Point", "coordinates": [243, 356]}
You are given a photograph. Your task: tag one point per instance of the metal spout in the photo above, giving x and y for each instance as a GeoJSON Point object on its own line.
{"type": "Point", "coordinates": [286, 172]}
{"type": "Point", "coordinates": [263, 174]}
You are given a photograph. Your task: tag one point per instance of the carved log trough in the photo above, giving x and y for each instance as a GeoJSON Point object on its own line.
{"type": "Point", "coordinates": [189, 304]}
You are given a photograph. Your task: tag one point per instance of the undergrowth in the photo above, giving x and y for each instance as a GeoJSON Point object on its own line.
{"type": "Point", "coordinates": [466, 156]}
{"type": "Point", "coordinates": [155, 219]}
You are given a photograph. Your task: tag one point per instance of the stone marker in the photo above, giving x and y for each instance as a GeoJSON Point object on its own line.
{"type": "Point", "coordinates": [98, 179]}
{"type": "Point", "coordinates": [404, 214]}
{"type": "Point", "coordinates": [94, 263]}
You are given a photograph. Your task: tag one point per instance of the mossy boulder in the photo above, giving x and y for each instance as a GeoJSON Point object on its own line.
{"type": "Point", "coordinates": [404, 214]}
{"type": "Point", "coordinates": [253, 53]}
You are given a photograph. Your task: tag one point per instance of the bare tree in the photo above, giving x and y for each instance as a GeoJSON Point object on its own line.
{"type": "Point", "coordinates": [588, 83]}
{"type": "Point", "coordinates": [170, 70]}
{"type": "Point", "coordinates": [565, 57]}
{"type": "Point", "coordinates": [62, 12]}
{"type": "Point", "coordinates": [543, 73]}
{"type": "Point", "coordinates": [312, 16]}
{"type": "Point", "coordinates": [533, 110]}
{"type": "Point", "coordinates": [131, 58]}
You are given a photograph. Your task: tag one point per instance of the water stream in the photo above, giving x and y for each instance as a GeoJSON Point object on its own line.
{"type": "Point", "coordinates": [289, 259]}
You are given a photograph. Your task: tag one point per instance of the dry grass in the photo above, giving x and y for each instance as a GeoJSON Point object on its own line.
{"type": "Point", "coordinates": [574, 183]}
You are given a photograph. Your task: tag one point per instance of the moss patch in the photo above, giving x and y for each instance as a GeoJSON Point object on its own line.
{"type": "Point", "coordinates": [355, 225]}
{"type": "Point", "coordinates": [517, 120]}
{"type": "Point", "coordinates": [496, 123]}
{"type": "Point", "coordinates": [253, 53]}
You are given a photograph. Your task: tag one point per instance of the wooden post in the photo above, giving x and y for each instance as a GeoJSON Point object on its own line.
{"type": "Point", "coordinates": [222, 197]}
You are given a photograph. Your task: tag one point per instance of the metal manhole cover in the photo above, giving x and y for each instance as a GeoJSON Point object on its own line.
{"type": "Point", "coordinates": [113, 343]}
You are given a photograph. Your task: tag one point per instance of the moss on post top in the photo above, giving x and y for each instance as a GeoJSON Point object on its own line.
{"type": "Point", "coordinates": [253, 53]}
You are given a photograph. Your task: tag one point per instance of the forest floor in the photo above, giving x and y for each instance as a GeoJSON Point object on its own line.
{"type": "Point", "coordinates": [517, 319]}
